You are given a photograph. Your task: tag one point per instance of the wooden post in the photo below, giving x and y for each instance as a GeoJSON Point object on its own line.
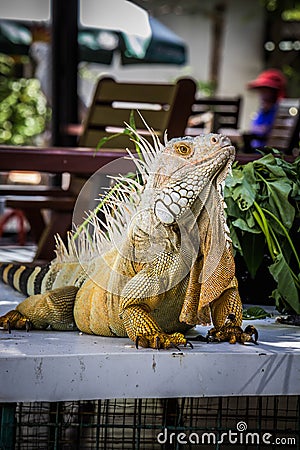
{"type": "Point", "coordinates": [217, 42]}
{"type": "Point", "coordinates": [64, 68]}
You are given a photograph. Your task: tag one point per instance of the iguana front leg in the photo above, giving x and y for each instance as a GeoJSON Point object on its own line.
{"type": "Point", "coordinates": [144, 331]}
{"type": "Point", "coordinates": [228, 303]}
{"type": "Point", "coordinates": [14, 320]}
{"type": "Point", "coordinates": [144, 293]}
{"type": "Point", "coordinates": [52, 309]}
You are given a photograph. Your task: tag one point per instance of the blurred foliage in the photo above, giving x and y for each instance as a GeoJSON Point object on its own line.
{"type": "Point", "coordinates": [23, 107]}
{"type": "Point", "coordinates": [282, 21]}
{"type": "Point", "coordinates": [206, 88]}
{"type": "Point", "coordinates": [255, 312]}
{"type": "Point", "coordinates": [289, 8]}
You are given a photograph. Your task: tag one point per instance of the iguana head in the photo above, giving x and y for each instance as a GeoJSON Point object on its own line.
{"type": "Point", "coordinates": [186, 167]}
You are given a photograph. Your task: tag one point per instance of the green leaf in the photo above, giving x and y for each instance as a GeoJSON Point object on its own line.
{"type": "Point", "coordinates": [255, 312]}
{"type": "Point", "coordinates": [279, 201]}
{"type": "Point", "coordinates": [235, 239]}
{"type": "Point", "coordinates": [263, 203]}
{"type": "Point", "coordinates": [234, 179]}
{"type": "Point", "coordinates": [103, 141]}
{"type": "Point", "coordinates": [132, 120]}
{"type": "Point", "coordinates": [241, 186]}
{"type": "Point", "coordinates": [268, 163]}
{"type": "Point", "coordinates": [246, 225]}
{"type": "Point", "coordinates": [232, 210]}
{"type": "Point", "coordinates": [253, 248]}
{"type": "Point", "coordinates": [287, 288]}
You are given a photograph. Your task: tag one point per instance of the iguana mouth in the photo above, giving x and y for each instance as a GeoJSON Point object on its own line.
{"type": "Point", "coordinates": [227, 161]}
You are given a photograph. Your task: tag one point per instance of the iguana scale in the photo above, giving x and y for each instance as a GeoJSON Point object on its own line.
{"type": "Point", "coordinates": [158, 265]}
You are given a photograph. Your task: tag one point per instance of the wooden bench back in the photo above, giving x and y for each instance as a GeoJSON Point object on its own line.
{"type": "Point", "coordinates": [164, 106]}
{"type": "Point", "coordinates": [285, 131]}
{"type": "Point", "coordinates": [226, 110]}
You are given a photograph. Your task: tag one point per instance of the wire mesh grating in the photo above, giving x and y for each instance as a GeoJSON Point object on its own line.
{"type": "Point", "coordinates": [142, 424]}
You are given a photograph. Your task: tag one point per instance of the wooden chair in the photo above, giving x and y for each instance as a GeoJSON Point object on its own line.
{"type": "Point", "coordinates": [285, 131]}
{"type": "Point", "coordinates": [163, 106]}
{"type": "Point", "coordinates": [284, 135]}
{"type": "Point", "coordinates": [213, 113]}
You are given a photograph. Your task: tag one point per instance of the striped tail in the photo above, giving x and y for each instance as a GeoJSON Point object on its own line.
{"type": "Point", "coordinates": [25, 279]}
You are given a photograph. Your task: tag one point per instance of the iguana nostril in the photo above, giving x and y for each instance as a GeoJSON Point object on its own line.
{"type": "Point", "coordinates": [225, 141]}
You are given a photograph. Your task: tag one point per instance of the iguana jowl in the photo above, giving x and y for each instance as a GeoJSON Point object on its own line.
{"type": "Point", "coordinates": [162, 263]}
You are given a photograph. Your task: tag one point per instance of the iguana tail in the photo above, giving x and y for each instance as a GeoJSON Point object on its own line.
{"type": "Point", "coordinates": [31, 280]}
{"type": "Point", "coordinates": [64, 270]}
{"type": "Point", "coordinates": [23, 278]}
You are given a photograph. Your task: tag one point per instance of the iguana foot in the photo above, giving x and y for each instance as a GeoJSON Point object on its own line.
{"type": "Point", "coordinates": [232, 333]}
{"type": "Point", "coordinates": [144, 331]}
{"type": "Point", "coordinates": [160, 340]}
{"type": "Point", "coordinates": [250, 331]}
{"type": "Point", "coordinates": [290, 320]}
{"type": "Point", "coordinates": [14, 320]}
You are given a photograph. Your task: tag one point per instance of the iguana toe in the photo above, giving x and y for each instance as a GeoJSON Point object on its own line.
{"type": "Point", "coordinates": [250, 331]}
{"type": "Point", "coordinates": [232, 334]}
{"type": "Point", "coordinates": [159, 340]}
{"type": "Point", "coordinates": [189, 344]}
{"type": "Point", "coordinates": [14, 320]}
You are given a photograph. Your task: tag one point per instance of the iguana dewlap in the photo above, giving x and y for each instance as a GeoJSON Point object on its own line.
{"type": "Point", "coordinates": [160, 264]}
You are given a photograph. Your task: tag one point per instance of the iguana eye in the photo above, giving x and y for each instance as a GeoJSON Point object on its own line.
{"type": "Point", "coordinates": [183, 149]}
{"type": "Point", "coordinates": [213, 140]}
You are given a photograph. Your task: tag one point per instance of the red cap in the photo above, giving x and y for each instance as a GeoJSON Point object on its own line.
{"type": "Point", "coordinates": [272, 78]}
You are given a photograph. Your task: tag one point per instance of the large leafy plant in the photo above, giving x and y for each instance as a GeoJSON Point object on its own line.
{"type": "Point", "coordinates": [263, 199]}
{"type": "Point", "coordinates": [23, 107]}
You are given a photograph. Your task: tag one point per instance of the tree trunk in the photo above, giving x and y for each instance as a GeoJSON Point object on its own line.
{"type": "Point", "coordinates": [218, 21]}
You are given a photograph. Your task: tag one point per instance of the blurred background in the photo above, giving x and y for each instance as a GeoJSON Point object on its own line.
{"type": "Point", "coordinates": [222, 44]}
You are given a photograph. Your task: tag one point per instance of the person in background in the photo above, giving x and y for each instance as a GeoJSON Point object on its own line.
{"type": "Point", "coordinates": [271, 87]}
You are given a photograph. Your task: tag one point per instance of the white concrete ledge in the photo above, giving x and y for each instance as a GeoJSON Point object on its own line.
{"type": "Point", "coordinates": [56, 366]}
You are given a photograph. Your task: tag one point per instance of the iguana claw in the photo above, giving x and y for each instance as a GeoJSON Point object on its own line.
{"type": "Point", "coordinates": [232, 333]}
{"type": "Point", "coordinates": [250, 330]}
{"type": "Point", "coordinates": [14, 320]}
{"type": "Point", "coordinates": [161, 340]}
{"type": "Point", "coordinates": [28, 325]}
{"type": "Point", "coordinates": [157, 342]}
{"type": "Point", "coordinates": [137, 342]}
{"type": "Point", "coordinates": [175, 346]}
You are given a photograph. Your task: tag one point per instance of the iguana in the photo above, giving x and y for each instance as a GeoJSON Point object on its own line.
{"type": "Point", "coordinates": [160, 263]}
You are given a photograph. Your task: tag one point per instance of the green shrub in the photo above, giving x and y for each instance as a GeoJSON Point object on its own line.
{"type": "Point", "coordinates": [23, 107]}
{"type": "Point", "coordinates": [263, 199]}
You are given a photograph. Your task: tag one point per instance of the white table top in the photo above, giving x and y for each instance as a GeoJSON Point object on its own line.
{"type": "Point", "coordinates": [56, 366]}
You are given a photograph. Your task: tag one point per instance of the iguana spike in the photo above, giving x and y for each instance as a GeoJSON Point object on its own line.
{"type": "Point", "coordinates": [140, 164]}
{"type": "Point", "coordinates": [165, 138]}
{"type": "Point", "coordinates": [61, 251]}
